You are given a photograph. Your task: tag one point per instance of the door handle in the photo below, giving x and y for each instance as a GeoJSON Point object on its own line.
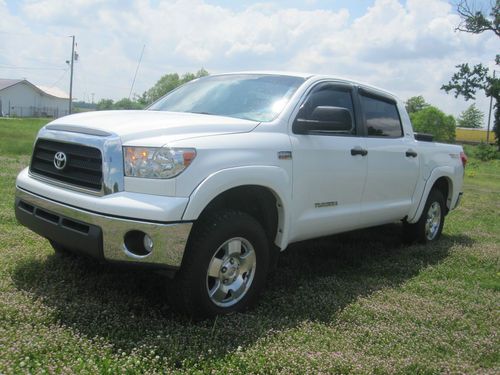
{"type": "Point", "coordinates": [358, 151]}
{"type": "Point", "coordinates": [411, 154]}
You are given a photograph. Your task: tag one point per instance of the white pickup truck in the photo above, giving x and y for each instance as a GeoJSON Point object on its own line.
{"type": "Point", "coordinates": [213, 180]}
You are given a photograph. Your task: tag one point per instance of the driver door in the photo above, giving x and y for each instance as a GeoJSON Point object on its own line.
{"type": "Point", "coordinates": [329, 168]}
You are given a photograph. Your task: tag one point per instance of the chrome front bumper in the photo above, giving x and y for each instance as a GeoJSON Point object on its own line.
{"type": "Point", "coordinates": [81, 229]}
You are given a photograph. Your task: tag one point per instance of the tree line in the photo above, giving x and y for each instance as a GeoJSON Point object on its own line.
{"type": "Point", "coordinates": [165, 84]}
{"type": "Point", "coordinates": [427, 118]}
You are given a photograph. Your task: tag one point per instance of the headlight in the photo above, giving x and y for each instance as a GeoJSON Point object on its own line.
{"type": "Point", "coordinates": [156, 162]}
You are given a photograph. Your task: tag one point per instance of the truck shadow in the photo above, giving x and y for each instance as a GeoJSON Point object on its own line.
{"type": "Point", "coordinates": [314, 281]}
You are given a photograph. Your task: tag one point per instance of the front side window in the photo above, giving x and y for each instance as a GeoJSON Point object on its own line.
{"type": "Point", "coordinates": [257, 97]}
{"type": "Point", "coordinates": [382, 117]}
{"type": "Point", "coordinates": [328, 96]}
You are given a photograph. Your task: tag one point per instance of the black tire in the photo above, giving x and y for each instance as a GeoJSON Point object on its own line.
{"type": "Point", "coordinates": [421, 231]}
{"type": "Point", "coordinates": [210, 239]}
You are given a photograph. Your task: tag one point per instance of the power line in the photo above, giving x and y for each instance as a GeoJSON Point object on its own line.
{"type": "Point", "coordinates": [13, 67]}
{"type": "Point", "coordinates": [60, 77]}
{"type": "Point", "coordinates": [30, 35]}
{"type": "Point", "coordinates": [83, 76]}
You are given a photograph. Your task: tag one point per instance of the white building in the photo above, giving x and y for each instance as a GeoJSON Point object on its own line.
{"type": "Point", "coordinates": [20, 98]}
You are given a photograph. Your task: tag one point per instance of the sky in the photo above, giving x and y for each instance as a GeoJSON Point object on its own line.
{"type": "Point", "coordinates": [407, 47]}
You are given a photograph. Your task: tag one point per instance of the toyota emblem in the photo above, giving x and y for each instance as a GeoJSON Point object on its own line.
{"type": "Point", "coordinates": [60, 160]}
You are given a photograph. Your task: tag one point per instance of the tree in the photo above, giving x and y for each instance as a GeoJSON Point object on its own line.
{"type": "Point", "coordinates": [472, 117]}
{"type": "Point", "coordinates": [164, 85]}
{"type": "Point", "coordinates": [167, 83]}
{"type": "Point", "coordinates": [415, 104]}
{"type": "Point", "coordinates": [433, 121]}
{"type": "Point", "coordinates": [104, 104]}
{"type": "Point", "coordinates": [476, 22]}
{"type": "Point", "coordinates": [126, 103]}
{"type": "Point", "coordinates": [468, 80]}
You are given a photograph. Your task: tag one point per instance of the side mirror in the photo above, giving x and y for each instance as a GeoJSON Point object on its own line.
{"type": "Point", "coordinates": [324, 118]}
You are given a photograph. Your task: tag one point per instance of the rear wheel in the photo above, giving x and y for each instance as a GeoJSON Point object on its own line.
{"type": "Point", "coordinates": [224, 268]}
{"type": "Point", "coordinates": [430, 225]}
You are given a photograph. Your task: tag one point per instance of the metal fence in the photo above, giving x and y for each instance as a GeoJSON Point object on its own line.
{"type": "Point", "coordinates": [18, 111]}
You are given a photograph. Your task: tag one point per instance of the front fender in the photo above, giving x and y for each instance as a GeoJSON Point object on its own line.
{"type": "Point", "coordinates": [274, 178]}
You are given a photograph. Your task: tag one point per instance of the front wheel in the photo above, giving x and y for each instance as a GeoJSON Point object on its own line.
{"type": "Point", "coordinates": [224, 267]}
{"type": "Point", "coordinates": [430, 225]}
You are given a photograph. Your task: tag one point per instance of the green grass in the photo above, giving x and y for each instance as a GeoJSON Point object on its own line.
{"type": "Point", "coordinates": [17, 135]}
{"type": "Point", "coordinates": [357, 303]}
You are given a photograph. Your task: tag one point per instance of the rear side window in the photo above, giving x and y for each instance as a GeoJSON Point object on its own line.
{"type": "Point", "coordinates": [382, 117]}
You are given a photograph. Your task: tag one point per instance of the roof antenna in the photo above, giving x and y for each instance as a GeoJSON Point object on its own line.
{"type": "Point", "coordinates": [136, 70]}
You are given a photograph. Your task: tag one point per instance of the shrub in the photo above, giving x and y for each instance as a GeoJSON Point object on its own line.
{"type": "Point", "coordinates": [486, 152]}
{"type": "Point", "coordinates": [433, 121]}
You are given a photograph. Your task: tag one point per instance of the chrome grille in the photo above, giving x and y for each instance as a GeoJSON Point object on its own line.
{"type": "Point", "coordinates": [83, 165]}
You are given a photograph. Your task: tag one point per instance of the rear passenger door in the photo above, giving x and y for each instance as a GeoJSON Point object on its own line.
{"type": "Point", "coordinates": [393, 164]}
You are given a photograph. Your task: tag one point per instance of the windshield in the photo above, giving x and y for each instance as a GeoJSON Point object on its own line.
{"type": "Point", "coordinates": [257, 97]}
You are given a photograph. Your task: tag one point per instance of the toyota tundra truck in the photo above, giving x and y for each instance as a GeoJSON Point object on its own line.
{"type": "Point", "coordinates": [215, 179]}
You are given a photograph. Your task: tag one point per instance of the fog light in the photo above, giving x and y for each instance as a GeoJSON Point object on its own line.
{"type": "Point", "coordinates": [137, 243]}
{"type": "Point", "coordinates": [148, 243]}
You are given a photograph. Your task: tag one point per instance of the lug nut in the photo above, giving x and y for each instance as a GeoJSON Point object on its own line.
{"type": "Point", "coordinates": [224, 269]}
{"type": "Point", "coordinates": [231, 261]}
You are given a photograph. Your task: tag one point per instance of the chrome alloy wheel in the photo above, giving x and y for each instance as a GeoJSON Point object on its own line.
{"type": "Point", "coordinates": [433, 221]}
{"type": "Point", "coordinates": [231, 272]}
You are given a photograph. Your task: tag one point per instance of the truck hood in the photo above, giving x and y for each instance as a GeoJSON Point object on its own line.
{"type": "Point", "coordinates": [164, 127]}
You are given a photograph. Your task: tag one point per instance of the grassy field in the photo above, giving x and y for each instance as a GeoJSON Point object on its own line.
{"type": "Point", "coordinates": [17, 135]}
{"type": "Point", "coordinates": [357, 303]}
{"type": "Point", "coordinates": [473, 135]}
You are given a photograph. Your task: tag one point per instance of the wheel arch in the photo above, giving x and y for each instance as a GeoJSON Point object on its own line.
{"type": "Point", "coordinates": [445, 185]}
{"type": "Point", "coordinates": [441, 179]}
{"type": "Point", "coordinates": [258, 191]}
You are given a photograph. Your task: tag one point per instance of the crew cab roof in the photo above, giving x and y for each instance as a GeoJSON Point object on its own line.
{"type": "Point", "coordinates": [317, 77]}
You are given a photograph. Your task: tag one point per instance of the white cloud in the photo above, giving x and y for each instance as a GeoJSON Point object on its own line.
{"type": "Point", "coordinates": [57, 10]}
{"type": "Point", "coordinates": [409, 48]}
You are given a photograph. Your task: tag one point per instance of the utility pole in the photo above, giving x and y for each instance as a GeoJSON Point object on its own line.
{"type": "Point", "coordinates": [489, 115]}
{"type": "Point", "coordinates": [71, 76]}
